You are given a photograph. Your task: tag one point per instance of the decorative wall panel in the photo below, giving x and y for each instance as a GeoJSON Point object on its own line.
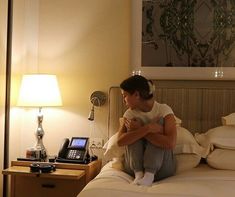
{"type": "Point", "coordinates": [192, 33]}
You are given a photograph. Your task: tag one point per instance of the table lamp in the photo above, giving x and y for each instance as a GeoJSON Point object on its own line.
{"type": "Point", "coordinates": [39, 90]}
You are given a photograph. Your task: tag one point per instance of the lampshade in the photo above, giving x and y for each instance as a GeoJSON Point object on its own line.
{"type": "Point", "coordinates": [39, 90]}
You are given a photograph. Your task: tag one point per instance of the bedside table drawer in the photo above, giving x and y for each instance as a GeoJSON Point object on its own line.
{"type": "Point", "coordinates": [68, 179]}
{"type": "Point", "coordinates": [47, 187]}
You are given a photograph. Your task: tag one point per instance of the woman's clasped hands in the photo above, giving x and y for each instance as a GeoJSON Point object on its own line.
{"type": "Point", "coordinates": [135, 123]}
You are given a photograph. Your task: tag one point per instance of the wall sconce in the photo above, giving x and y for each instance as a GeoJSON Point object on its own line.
{"type": "Point", "coordinates": [97, 99]}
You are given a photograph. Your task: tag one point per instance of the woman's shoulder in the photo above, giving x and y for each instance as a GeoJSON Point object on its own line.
{"type": "Point", "coordinates": [163, 107]}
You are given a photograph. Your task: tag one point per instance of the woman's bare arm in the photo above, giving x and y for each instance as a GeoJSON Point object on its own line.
{"type": "Point", "coordinates": [135, 132]}
{"type": "Point", "coordinates": [166, 139]}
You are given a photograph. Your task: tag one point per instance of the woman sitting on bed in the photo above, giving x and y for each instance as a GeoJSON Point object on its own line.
{"type": "Point", "coordinates": [148, 132]}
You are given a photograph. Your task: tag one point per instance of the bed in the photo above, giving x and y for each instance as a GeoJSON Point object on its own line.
{"type": "Point", "coordinates": [205, 149]}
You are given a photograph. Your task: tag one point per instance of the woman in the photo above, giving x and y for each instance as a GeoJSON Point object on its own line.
{"type": "Point", "coordinates": [148, 132]}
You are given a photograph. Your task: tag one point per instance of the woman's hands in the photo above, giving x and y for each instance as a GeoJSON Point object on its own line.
{"type": "Point", "coordinates": [168, 137]}
{"type": "Point", "coordinates": [154, 127]}
{"type": "Point", "coordinates": [133, 123]}
{"type": "Point", "coordinates": [130, 131]}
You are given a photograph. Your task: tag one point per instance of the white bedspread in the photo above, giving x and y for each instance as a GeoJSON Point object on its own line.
{"type": "Point", "coordinates": [201, 181]}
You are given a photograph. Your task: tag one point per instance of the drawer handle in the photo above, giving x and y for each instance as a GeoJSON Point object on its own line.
{"type": "Point", "coordinates": [48, 185]}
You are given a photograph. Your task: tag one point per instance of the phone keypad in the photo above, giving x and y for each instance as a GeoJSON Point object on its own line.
{"type": "Point", "coordinates": [75, 154]}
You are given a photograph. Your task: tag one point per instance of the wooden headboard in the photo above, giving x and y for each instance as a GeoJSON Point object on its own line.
{"type": "Point", "coordinates": [199, 104]}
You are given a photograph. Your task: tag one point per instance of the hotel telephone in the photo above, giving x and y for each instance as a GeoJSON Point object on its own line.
{"type": "Point", "coordinates": [74, 151]}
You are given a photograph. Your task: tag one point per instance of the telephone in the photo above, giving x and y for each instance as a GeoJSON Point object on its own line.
{"type": "Point", "coordinates": [74, 151]}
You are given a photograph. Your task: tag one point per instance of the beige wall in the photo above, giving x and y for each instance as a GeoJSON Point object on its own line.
{"type": "Point", "coordinates": [86, 43]}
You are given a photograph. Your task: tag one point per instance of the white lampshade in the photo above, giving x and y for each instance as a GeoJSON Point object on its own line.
{"type": "Point", "coordinates": [39, 90]}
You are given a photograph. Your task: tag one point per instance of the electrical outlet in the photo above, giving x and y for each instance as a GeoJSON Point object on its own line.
{"type": "Point", "coordinates": [96, 142]}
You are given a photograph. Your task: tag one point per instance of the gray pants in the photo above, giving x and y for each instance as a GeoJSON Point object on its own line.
{"type": "Point", "coordinates": [146, 157]}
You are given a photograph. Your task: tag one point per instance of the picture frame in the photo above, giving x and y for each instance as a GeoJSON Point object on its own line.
{"type": "Point", "coordinates": [168, 73]}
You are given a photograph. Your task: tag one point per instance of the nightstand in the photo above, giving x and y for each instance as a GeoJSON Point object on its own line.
{"type": "Point", "coordinates": [67, 181]}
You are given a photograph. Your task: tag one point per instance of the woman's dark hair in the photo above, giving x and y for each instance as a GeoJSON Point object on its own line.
{"type": "Point", "coordinates": [140, 84]}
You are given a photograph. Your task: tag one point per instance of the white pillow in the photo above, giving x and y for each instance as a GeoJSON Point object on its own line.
{"type": "Point", "coordinates": [220, 137]}
{"type": "Point", "coordinates": [229, 120]}
{"type": "Point", "coordinates": [222, 159]}
{"type": "Point", "coordinates": [186, 162]}
{"type": "Point", "coordinates": [186, 143]}
{"type": "Point", "coordinates": [112, 150]}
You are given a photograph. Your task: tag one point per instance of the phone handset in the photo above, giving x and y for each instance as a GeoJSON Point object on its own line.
{"type": "Point", "coordinates": [63, 148]}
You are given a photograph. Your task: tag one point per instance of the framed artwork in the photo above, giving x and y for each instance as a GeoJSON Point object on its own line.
{"type": "Point", "coordinates": [177, 39]}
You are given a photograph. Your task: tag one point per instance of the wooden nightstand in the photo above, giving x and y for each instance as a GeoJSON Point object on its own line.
{"type": "Point", "coordinates": [68, 179]}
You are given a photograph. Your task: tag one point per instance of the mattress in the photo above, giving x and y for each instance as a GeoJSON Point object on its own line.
{"type": "Point", "coordinates": [200, 181]}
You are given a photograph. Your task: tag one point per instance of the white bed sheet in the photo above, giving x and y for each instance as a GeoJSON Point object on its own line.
{"type": "Point", "coordinates": [201, 181]}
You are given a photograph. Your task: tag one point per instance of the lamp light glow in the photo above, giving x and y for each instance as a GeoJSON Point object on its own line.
{"type": "Point", "coordinates": [39, 90]}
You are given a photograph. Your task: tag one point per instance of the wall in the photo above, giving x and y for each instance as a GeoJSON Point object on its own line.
{"type": "Point", "coordinates": [87, 45]}
{"type": "Point", "coordinates": [3, 20]}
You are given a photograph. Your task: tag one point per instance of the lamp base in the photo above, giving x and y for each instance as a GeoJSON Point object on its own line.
{"type": "Point", "coordinates": [36, 153]}
{"type": "Point", "coordinates": [39, 148]}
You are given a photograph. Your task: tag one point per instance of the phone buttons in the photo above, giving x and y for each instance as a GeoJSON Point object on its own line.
{"type": "Point", "coordinates": [71, 154]}
{"type": "Point", "coordinates": [75, 154]}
